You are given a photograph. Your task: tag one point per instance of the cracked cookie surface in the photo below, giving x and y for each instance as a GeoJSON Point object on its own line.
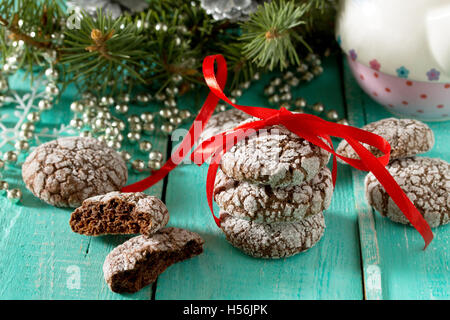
{"type": "Point", "coordinates": [272, 240]}
{"type": "Point", "coordinates": [274, 156]}
{"type": "Point", "coordinates": [263, 203]}
{"type": "Point", "coordinates": [139, 261]}
{"type": "Point", "coordinates": [66, 171]}
{"type": "Point", "coordinates": [425, 181]}
{"type": "Point", "coordinates": [119, 213]}
{"type": "Point", "coordinates": [407, 137]}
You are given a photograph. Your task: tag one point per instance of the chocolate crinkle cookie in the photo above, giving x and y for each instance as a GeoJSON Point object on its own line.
{"type": "Point", "coordinates": [66, 171]}
{"type": "Point", "coordinates": [263, 203]}
{"type": "Point", "coordinates": [425, 181]}
{"type": "Point", "coordinates": [119, 213]}
{"type": "Point", "coordinates": [139, 261]}
{"type": "Point", "coordinates": [221, 122]}
{"type": "Point", "coordinates": [407, 138]}
{"type": "Point", "coordinates": [274, 240]}
{"type": "Point", "coordinates": [274, 156]}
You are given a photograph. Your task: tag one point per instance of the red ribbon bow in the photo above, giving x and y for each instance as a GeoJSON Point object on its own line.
{"type": "Point", "coordinates": [309, 127]}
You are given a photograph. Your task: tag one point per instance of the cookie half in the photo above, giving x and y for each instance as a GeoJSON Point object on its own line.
{"type": "Point", "coordinates": [139, 261]}
{"type": "Point", "coordinates": [272, 240]}
{"type": "Point", "coordinates": [262, 203]}
{"type": "Point", "coordinates": [425, 181]}
{"type": "Point", "coordinates": [274, 156]}
{"type": "Point", "coordinates": [119, 213]}
{"type": "Point", "coordinates": [407, 137]}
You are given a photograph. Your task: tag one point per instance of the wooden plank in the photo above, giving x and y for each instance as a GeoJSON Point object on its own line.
{"type": "Point", "coordinates": [40, 257]}
{"type": "Point", "coordinates": [330, 270]}
{"type": "Point", "coordinates": [393, 263]}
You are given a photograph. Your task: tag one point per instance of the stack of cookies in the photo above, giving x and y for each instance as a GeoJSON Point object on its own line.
{"type": "Point", "coordinates": [272, 190]}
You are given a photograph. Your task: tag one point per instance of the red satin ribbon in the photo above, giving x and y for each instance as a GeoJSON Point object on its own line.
{"type": "Point", "coordinates": [309, 127]}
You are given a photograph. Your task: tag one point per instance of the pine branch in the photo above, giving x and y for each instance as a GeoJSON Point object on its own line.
{"type": "Point", "coordinates": [271, 34]}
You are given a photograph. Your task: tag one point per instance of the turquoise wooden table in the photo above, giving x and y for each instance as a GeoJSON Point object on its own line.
{"type": "Point", "coordinates": [361, 256]}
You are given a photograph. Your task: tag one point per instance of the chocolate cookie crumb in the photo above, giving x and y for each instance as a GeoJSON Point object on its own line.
{"type": "Point", "coordinates": [262, 203]}
{"type": "Point", "coordinates": [407, 137]}
{"type": "Point", "coordinates": [139, 261]}
{"type": "Point", "coordinates": [272, 240]}
{"type": "Point", "coordinates": [425, 181]}
{"type": "Point", "coordinates": [119, 213]}
{"type": "Point", "coordinates": [66, 171]}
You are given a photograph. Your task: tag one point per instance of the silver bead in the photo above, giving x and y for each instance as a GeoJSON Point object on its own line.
{"type": "Point", "coordinates": [160, 96]}
{"type": "Point", "coordinates": [121, 108]}
{"type": "Point", "coordinates": [221, 107]}
{"type": "Point", "coordinates": [165, 113]}
{"type": "Point", "coordinates": [154, 164]}
{"type": "Point", "coordinates": [126, 156]}
{"type": "Point", "coordinates": [269, 90]}
{"type": "Point", "coordinates": [76, 106]}
{"type": "Point", "coordinates": [171, 103]}
{"type": "Point", "coordinates": [286, 96]}
{"type": "Point", "coordinates": [22, 145]}
{"type": "Point", "coordinates": [274, 99]}
{"type": "Point", "coordinates": [145, 146]}
{"type": "Point", "coordinates": [34, 116]}
{"type": "Point", "coordinates": [245, 85]}
{"type": "Point", "coordinates": [124, 97]}
{"type": "Point", "coordinates": [28, 126]}
{"type": "Point", "coordinates": [318, 107]}
{"type": "Point", "coordinates": [175, 111]}
{"type": "Point", "coordinates": [344, 122]}
{"type": "Point", "coordinates": [177, 78]}
{"type": "Point", "coordinates": [51, 74]}
{"type": "Point", "coordinates": [155, 155]}
{"type": "Point", "coordinates": [148, 127]}
{"type": "Point", "coordinates": [10, 156]}
{"type": "Point", "coordinates": [52, 90]}
{"type": "Point", "coordinates": [91, 102]}
{"type": "Point", "coordinates": [308, 76]}
{"type": "Point", "coordinates": [302, 68]}
{"type": "Point", "coordinates": [102, 138]}
{"type": "Point", "coordinates": [276, 82]}
{"type": "Point", "coordinates": [85, 134]}
{"type": "Point", "coordinates": [112, 131]}
{"type": "Point", "coordinates": [147, 117]}
{"type": "Point", "coordinates": [318, 70]}
{"type": "Point", "coordinates": [9, 68]}
{"type": "Point", "coordinates": [138, 165]}
{"type": "Point", "coordinates": [172, 91]}
{"type": "Point", "coordinates": [135, 126]}
{"type": "Point", "coordinates": [175, 121]}
{"type": "Point", "coordinates": [76, 123]}
{"type": "Point", "coordinates": [167, 128]}
{"type": "Point", "coordinates": [284, 88]}
{"type": "Point", "coordinates": [104, 115]}
{"type": "Point", "coordinates": [26, 134]}
{"type": "Point", "coordinates": [107, 101]}
{"type": "Point", "coordinates": [256, 76]}
{"type": "Point", "coordinates": [161, 27]}
{"type": "Point", "coordinates": [236, 93]}
{"type": "Point", "coordinates": [288, 75]}
{"type": "Point", "coordinates": [185, 114]}
{"type": "Point", "coordinates": [4, 85]}
{"type": "Point", "coordinates": [114, 144]}
{"type": "Point", "coordinates": [294, 81]}
{"type": "Point", "coordinates": [300, 102]}
{"type": "Point", "coordinates": [119, 124]}
{"type": "Point", "coordinates": [133, 119]}
{"type": "Point", "coordinates": [134, 136]}
{"type": "Point", "coordinates": [332, 115]}
{"type": "Point", "coordinates": [4, 185]}
{"type": "Point", "coordinates": [99, 124]}
{"type": "Point", "coordinates": [14, 195]}
{"type": "Point", "coordinates": [143, 98]}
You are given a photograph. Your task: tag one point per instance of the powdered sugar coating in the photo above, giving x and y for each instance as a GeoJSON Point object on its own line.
{"type": "Point", "coordinates": [66, 171]}
{"type": "Point", "coordinates": [142, 213]}
{"type": "Point", "coordinates": [425, 181]}
{"type": "Point", "coordinates": [274, 204]}
{"type": "Point", "coordinates": [138, 261]}
{"type": "Point", "coordinates": [276, 240]}
{"type": "Point", "coordinates": [221, 122]}
{"type": "Point", "coordinates": [274, 156]}
{"type": "Point", "coordinates": [407, 137]}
